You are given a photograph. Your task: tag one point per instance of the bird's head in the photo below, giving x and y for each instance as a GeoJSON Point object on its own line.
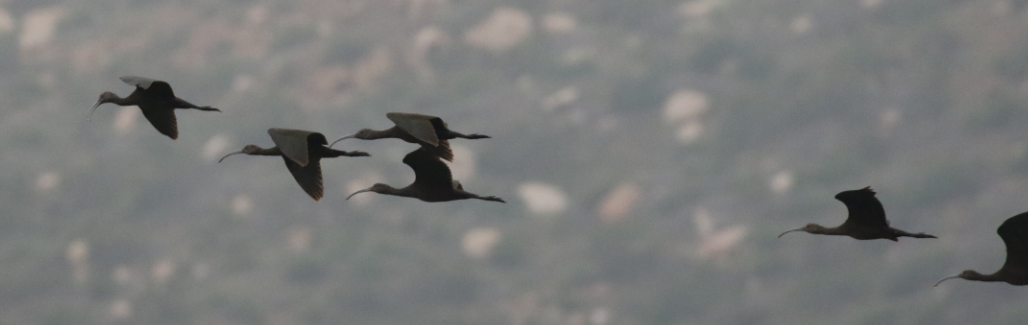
{"type": "Point", "coordinates": [364, 134]}
{"type": "Point", "coordinates": [248, 149]}
{"type": "Point", "coordinates": [106, 97]}
{"type": "Point", "coordinates": [812, 228]}
{"type": "Point", "coordinates": [967, 275]}
{"type": "Point", "coordinates": [377, 188]}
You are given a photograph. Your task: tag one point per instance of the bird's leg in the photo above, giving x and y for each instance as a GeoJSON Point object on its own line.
{"type": "Point", "coordinates": [180, 103]}
{"type": "Point", "coordinates": [468, 136]}
{"type": "Point", "coordinates": [331, 153]}
{"type": "Point", "coordinates": [901, 233]}
{"type": "Point", "coordinates": [493, 198]}
{"type": "Point", "coordinates": [354, 154]}
{"type": "Point", "coordinates": [479, 197]}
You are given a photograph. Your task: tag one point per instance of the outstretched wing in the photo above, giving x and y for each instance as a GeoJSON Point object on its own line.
{"type": "Point", "coordinates": [864, 208]}
{"type": "Point", "coordinates": [309, 177]}
{"type": "Point", "coordinates": [293, 143]}
{"type": "Point", "coordinates": [419, 126]}
{"type": "Point", "coordinates": [429, 171]}
{"type": "Point", "coordinates": [153, 89]}
{"type": "Point", "coordinates": [161, 119]}
{"type": "Point", "coordinates": [1014, 232]}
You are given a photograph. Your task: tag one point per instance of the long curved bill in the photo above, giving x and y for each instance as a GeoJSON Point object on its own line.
{"type": "Point", "coordinates": [947, 278]}
{"type": "Point", "coordinates": [226, 156]}
{"type": "Point", "coordinates": [790, 230]}
{"type": "Point", "coordinates": [341, 139]}
{"type": "Point", "coordinates": [93, 109]}
{"type": "Point", "coordinates": [359, 192]}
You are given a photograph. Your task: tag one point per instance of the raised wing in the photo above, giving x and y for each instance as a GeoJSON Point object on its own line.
{"type": "Point", "coordinates": [293, 143]}
{"type": "Point", "coordinates": [162, 119]}
{"type": "Point", "coordinates": [864, 208]}
{"type": "Point", "coordinates": [309, 177]}
{"type": "Point", "coordinates": [429, 171]}
{"type": "Point", "coordinates": [419, 126]}
{"type": "Point", "coordinates": [1014, 232]}
{"type": "Point", "coordinates": [154, 89]}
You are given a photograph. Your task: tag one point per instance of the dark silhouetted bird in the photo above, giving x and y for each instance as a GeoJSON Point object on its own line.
{"type": "Point", "coordinates": [432, 181]}
{"type": "Point", "coordinates": [155, 99]}
{"type": "Point", "coordinates": [1014, 232]}
{"type": "Point", "coordinates": [866, 219]}
{"type": "Point", "coordinates": [429, 131]}
{"type": "Point", "coordinates": [302, 151]}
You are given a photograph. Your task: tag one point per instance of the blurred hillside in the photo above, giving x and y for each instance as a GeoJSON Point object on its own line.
{"type": "Point", "coordinates": [649, 150]}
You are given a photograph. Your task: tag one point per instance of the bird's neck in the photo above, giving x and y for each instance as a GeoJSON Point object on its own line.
{"type": "Point", "coordinates": [828, 231]}
{"type": "Point", "coordinates": [975, 276]}
{"type": "Point", "coordinates": [404, 192]}
{"type": "Point", "coordinates": [393, 132]}
{"type": "Point", "coordinates": [273, 151]}
{"type": "Point", "coordinates": [120, 101]}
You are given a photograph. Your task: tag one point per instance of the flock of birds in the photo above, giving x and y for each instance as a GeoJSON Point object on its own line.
{"type": "Point", "coordinates": [303, 151]}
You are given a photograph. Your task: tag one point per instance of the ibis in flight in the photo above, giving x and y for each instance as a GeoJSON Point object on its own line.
{"type": "Point", "coordinates": [432, 181]}
{"type": "Point", "coordinates": [155, 99]}
{"type": "Point", "coordinates": [302, 151]}
{"type": "Point", "coordinates": [428, 131]}
{"type": "Point", "coordinates": [866, 219]}
{"type": "Point", "coordinates": [1014, 232]}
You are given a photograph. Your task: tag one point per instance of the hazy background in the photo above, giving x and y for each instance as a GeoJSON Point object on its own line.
{"type": "Point", "coordinates": [650, 151]}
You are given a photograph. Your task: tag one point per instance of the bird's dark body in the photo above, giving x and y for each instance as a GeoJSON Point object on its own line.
{"type": "Point", "coordinates": [442, 150]}
{"type": "Point", "coordinates": [306, 172]}
{"type": "Point", "coordinates": [441, 130]}
{"type": "Point", "coordinates": [428, 131]}
{"type": "Point", "coordinates": [433, 181]}
{"type": "Point", "coordinates": [870, 233]}
{"type": "Point", "coordinates": [157, 102]}
{"type": "Point", "coordinates": [437, 194]}
{"type": "Point", "coordinates": [866, 220]}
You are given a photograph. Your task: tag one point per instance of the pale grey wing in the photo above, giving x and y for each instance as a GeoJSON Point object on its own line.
{"type": "Point", "coordinates": [419, 126]}
{"type": "Point", "coordinates": [138, 81]}
{"type": "Point", "coordinates": [309, 177]}
{"type": "Point", "coordinates": [162, 119]}
{"type": "Point", "coordinates": [293, 143]}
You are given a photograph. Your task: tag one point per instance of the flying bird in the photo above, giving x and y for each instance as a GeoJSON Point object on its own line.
{"type": "Point", "coordinates": [432, 181]}
{"type": "Point", "coordinates": [428, 131]}
{"type": "Point", "coordinates": [866, 219]}
{"type": "Point", "coordinates": [155, 99]}
{"type": "Point", "coordinates": [1014, 232]}
{"type": "Point", "coordinates": [302, 151]}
